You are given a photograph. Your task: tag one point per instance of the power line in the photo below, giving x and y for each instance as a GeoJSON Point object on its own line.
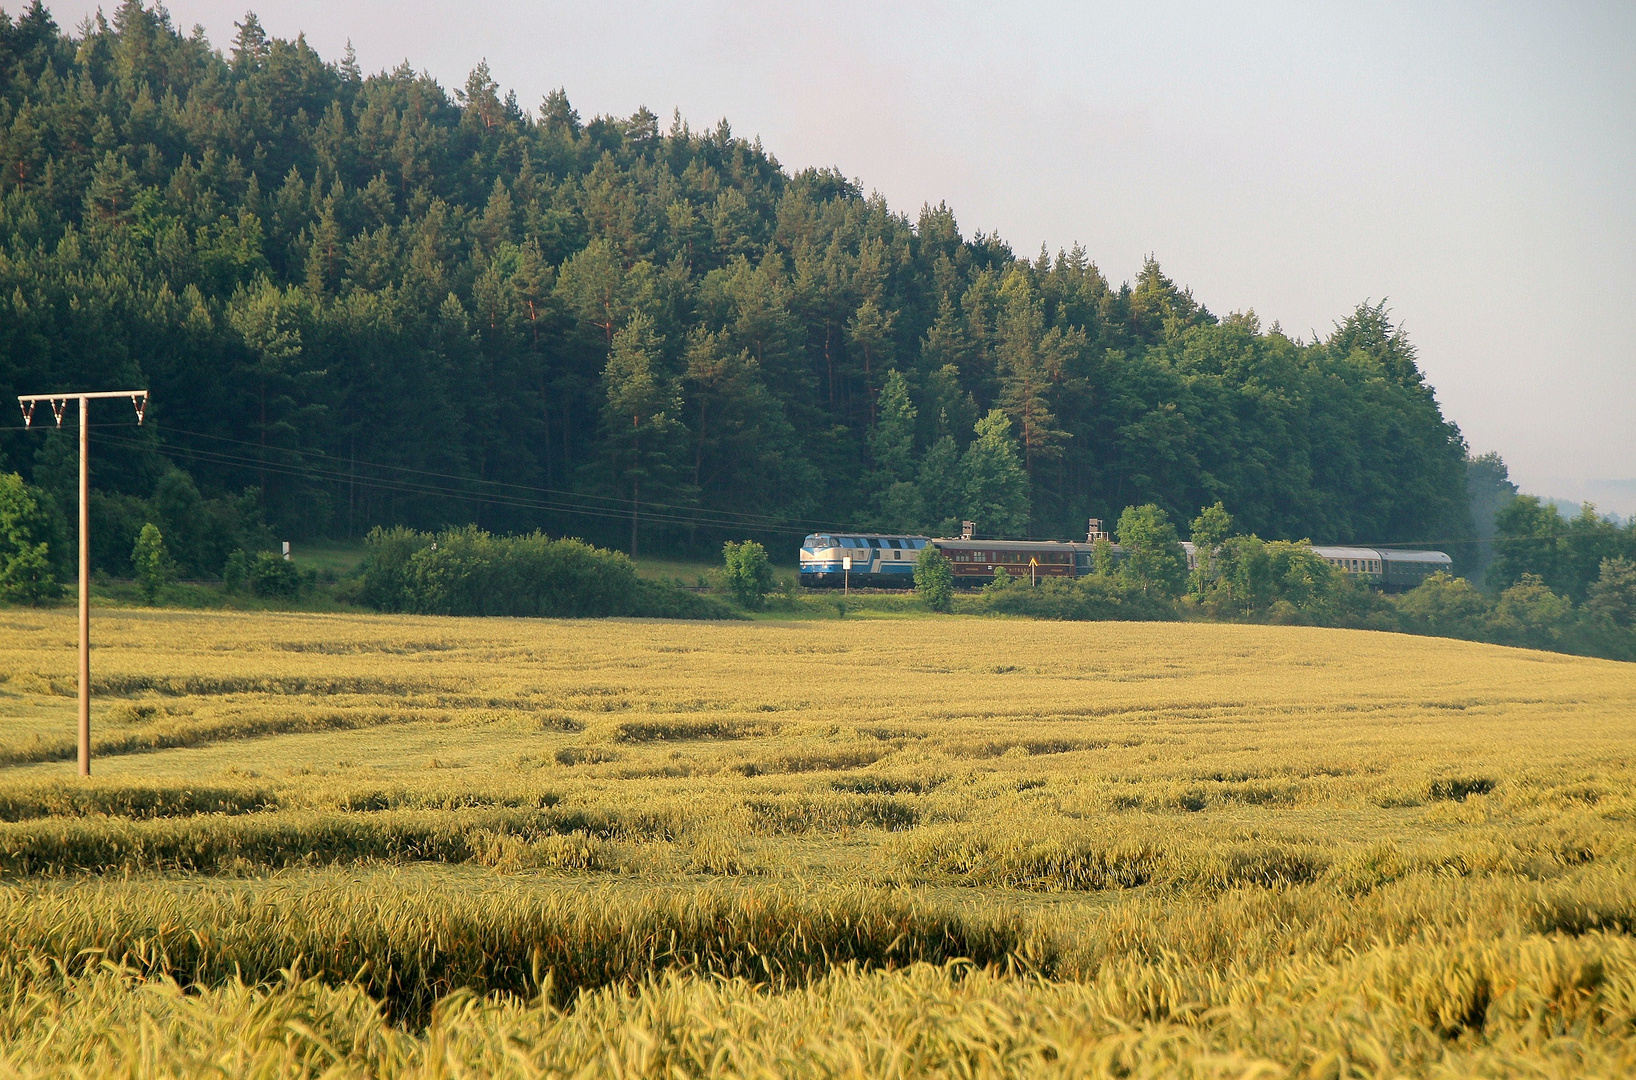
{"type": "Point", "coordinates": [561, 505]}
{"type": "Point", "coordinates": [694, 514]}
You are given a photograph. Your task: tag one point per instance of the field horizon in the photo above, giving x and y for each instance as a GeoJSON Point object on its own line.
{"type": "Point", "coordinates": [410, 845]}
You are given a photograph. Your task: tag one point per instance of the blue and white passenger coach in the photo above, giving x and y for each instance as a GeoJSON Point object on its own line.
{"type": "Point", "coordinates": [877, 559]}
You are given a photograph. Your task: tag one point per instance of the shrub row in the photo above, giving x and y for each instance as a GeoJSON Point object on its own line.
{"type": "Point", "coordinates": [1092, 598]}
{"type": "Point", "coordinates": [1312, 593]}
{"type": "Point", "coordinates": [467, 571]}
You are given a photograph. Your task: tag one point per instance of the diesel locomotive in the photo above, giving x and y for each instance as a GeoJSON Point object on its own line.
{"type": "Point", "coordinates": [882, 560]}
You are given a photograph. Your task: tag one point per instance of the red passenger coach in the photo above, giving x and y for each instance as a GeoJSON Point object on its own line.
{"type": "Point", "coordinates": [976, 561]}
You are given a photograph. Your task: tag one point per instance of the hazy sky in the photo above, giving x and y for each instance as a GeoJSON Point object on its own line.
{"type": "Point", "coordinates": [1475, 164]}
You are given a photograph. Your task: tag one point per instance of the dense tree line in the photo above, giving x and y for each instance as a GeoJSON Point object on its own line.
{"type": "Point", "coordinates": [366, 301]}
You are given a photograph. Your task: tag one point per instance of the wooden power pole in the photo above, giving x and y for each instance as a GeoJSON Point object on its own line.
{"type": "Point", "coordinates": [59, 406]}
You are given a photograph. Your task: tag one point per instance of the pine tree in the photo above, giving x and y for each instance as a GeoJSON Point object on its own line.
{"type": "Point", "coordinates": [892, 442]}
{"type": "Point", "coordinates": [111, 196]}
{"type": "Point", "coordinates": [641, 412]}
{"type": "Point", "coordinates": [870, 333]}
{"type": "Point", "coordinates": [1033, 362]}
{"type": "Point", "coordinates": [995, 484]}
{"type": "Point", "coordinates": [942, 486]}
{"type": "Point", "coordinates": [592, 285]}
{"type": "Point", "coordinates": [250, 46]}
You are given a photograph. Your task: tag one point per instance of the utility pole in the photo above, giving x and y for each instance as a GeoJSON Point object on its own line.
{"type": "Point", "coordinates": [59, 406]}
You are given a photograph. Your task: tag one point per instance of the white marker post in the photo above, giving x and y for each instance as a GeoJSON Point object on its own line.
{"type": "Point", "coordinates": [846, 575]}
{"type": "Point", "coordinates": [59, 406]}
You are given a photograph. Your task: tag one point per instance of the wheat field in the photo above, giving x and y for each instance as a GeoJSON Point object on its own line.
{"type": "Point", "coordinates": [378, 846]}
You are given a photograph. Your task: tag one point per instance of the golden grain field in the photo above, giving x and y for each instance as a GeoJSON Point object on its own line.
{"type": "Point", "coordinates": [354, 845]}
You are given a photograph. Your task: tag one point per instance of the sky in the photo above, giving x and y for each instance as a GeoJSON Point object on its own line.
{"type": "Point", "coordinates": [1473, 164]}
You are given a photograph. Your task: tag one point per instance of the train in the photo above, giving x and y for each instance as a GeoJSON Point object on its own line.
{"type": "Point", "coordinates": [887, 560]}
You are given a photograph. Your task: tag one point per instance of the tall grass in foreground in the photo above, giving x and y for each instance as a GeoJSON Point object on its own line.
{"type": "Point", "coordinates": [410, 945]}
{"type": "Point", "coordinates": [1515, 1007]}
{"type": "Point", "coordinates": [409, 940]}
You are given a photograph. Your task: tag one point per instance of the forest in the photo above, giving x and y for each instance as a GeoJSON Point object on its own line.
{"type": "Point", "coordinates": [366, 301]}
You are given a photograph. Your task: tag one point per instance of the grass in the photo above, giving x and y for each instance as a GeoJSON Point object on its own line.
{"type": "Point", "coordinates": [399, 846]}
{"type": "Point", "coordinates": [337, 557]}
{"type": "Point", "coordinates": [695, 573]}
{"type": "Point", "coordinates": [687, 571]}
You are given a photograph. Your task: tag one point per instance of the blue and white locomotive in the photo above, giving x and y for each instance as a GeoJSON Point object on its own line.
{"type": "Point", "coordinates": [877, 559]}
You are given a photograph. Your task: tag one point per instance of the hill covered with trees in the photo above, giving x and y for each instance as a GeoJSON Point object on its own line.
{"type": "Point", "coordinates": [365, 300]}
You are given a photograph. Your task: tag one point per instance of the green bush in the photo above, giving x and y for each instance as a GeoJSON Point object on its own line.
{"type": "Point", "coordinates": [1445, 606]}
{"type": "Point", "coordinates": [748, 574]}
{"type": "Point", "coordinates": [1529, 613]}
{"type": "Point", "coordinates": [1087, 599]}
{"type": "Point", "coordinates": [272, 576]}
{"type": "Point", "coordinates": [1284, 582]}
{"type": "Point", "coordinates": [235, 574]}
{"type": "Point", "coordinates": [385, 583]}
{"type": "Point", "coordinates": [467, 571]}
{"type": "Point", "coordinates": [934, 579]}
{"type": "Point", "coordinates": [154, 566]}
